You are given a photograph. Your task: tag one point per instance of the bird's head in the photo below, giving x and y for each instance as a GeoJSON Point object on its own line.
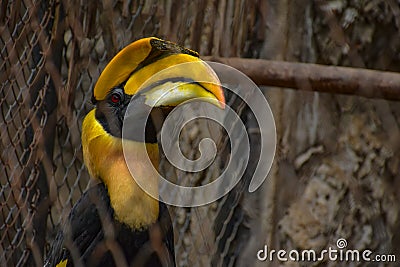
{"type": "Point", "coordinates": [126, 79]}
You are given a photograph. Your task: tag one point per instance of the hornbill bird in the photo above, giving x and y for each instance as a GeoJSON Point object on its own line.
{"type": "Point", "coordinates": [116, 223]}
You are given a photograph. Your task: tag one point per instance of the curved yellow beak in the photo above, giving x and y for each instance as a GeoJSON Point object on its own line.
{"type": "Point", "coordinates": [181, 82]}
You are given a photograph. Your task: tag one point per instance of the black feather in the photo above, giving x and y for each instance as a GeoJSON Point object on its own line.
{"type": "Point", "coordinates": [90, 229]}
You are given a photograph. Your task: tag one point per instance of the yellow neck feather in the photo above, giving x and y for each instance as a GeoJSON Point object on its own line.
{"type": "Point", "coordinates": [103, 156]}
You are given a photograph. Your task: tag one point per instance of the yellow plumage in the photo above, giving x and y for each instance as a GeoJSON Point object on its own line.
{"type": "Point", "coordinates": [62, 263]}
{"type": "Point", "coordinates": [111, 167]}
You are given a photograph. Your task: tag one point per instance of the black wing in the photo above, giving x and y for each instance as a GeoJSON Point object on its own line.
{"type": "Point", "coordinates": [83, 229]}
{"type": "Point", "coordinates": [82, 236]}
{"type": "Point", "coordinates": [167, 230]}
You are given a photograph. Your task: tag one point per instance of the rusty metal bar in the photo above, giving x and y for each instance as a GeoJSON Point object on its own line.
{"type": "Point", "coordinates": [320, 78]}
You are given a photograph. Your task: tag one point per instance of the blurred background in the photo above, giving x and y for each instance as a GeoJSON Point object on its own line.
{"type": "Point", "coordinates": [336, 173]}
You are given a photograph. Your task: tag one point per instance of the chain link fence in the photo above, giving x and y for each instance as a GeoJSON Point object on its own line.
{"type": "Point", "coordinates": [52, 53]}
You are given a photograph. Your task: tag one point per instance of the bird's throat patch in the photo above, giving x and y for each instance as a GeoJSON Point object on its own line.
{"type": "Point", "coordinates": [104, 157]}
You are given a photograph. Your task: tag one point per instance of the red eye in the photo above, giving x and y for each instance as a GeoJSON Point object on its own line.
{"type": "Point", "coordinates": [115, 98]}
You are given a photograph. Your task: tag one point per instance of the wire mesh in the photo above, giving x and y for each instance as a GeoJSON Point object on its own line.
{"type": "Point", "coordinates": [52, 53]}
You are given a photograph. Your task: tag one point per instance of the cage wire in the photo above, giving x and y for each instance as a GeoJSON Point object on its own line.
{"type": "Point", "coordinates": [52, 53]}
